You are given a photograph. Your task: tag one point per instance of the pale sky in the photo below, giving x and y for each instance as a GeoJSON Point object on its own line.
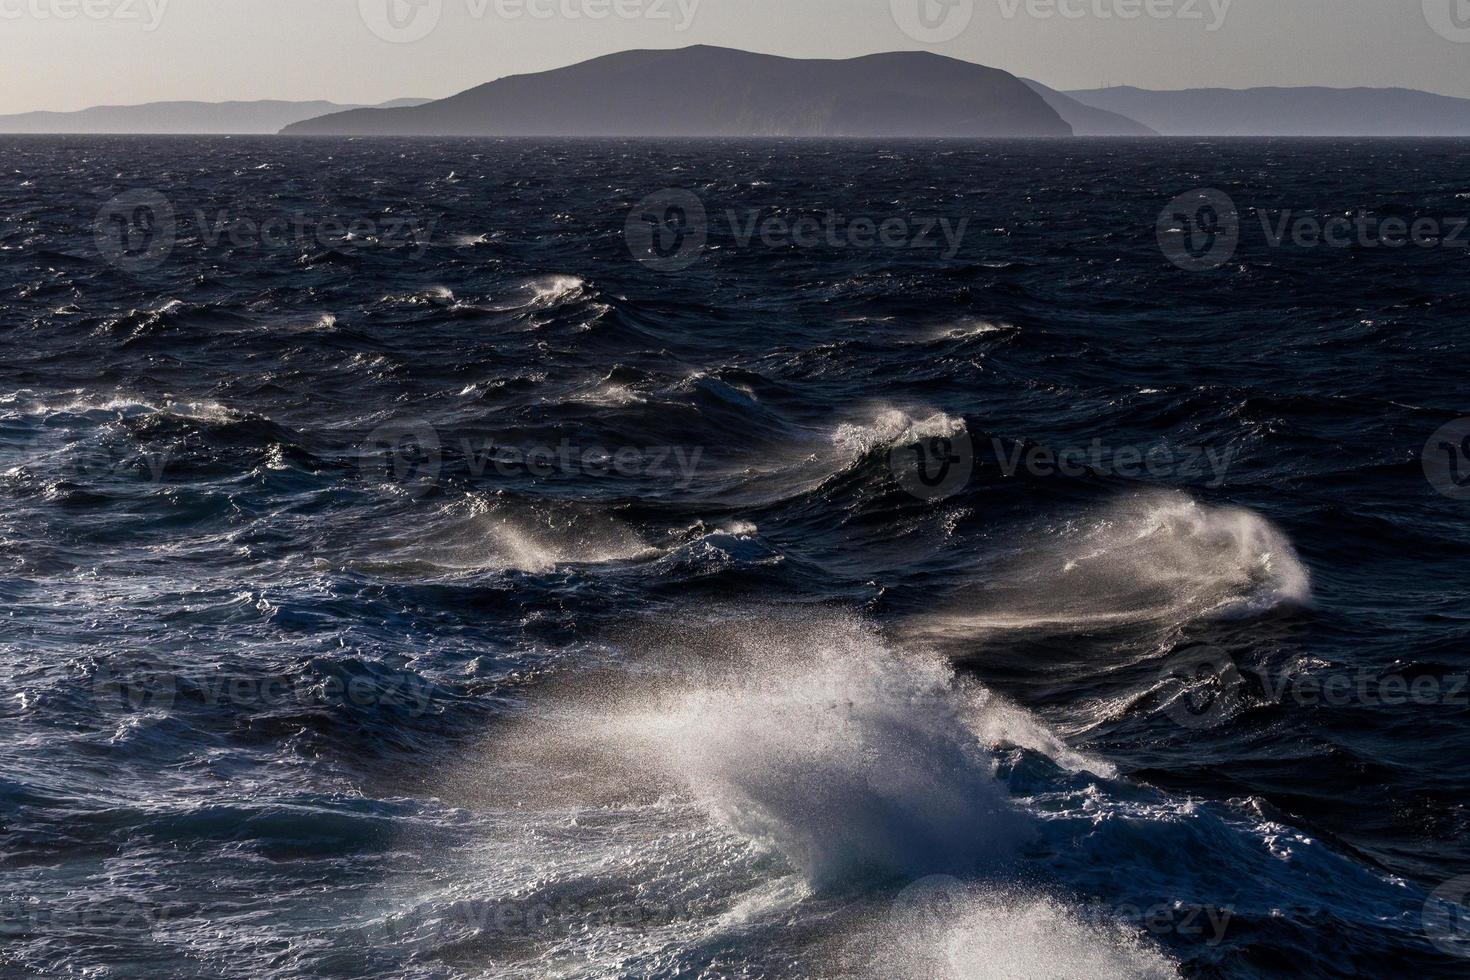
{"type": "Point", "coordinates": [69, 54]}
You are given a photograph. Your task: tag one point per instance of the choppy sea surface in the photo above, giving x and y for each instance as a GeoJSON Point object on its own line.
{"type": "Point", "coordinates": [453, 559]}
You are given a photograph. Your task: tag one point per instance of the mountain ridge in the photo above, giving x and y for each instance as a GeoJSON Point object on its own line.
{"type": "Point", "coordinates": [1087, 120]}
{"type": "Point", "coordinates": [665, 92]}
{"type": "Point", "coordinates": [1286, 111]}
{"type": "Point", "coordinates": [722, 92]}
{"type": "Point", "coordinates": [181, 117]}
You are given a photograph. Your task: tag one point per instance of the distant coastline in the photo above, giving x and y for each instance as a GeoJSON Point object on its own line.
{"type": "Point", "coordinates": [704, 91]}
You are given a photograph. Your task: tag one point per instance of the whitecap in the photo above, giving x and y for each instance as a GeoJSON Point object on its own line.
{"type": "Point", "coordinates": [478, 535]}
{"type": "Point", "coordinates": [760, 782]}
{"type": "Point", "coordinates": [892, 428]}
{"type": "Point", "coordinates": [551, 290]}
{"type": "Point", "coordinates": [1156, 557]}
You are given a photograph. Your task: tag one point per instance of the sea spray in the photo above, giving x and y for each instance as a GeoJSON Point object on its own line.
{"type": "Point", "coordinates": [1157, 557]}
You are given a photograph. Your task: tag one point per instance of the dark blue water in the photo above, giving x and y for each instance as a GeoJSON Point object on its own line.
{"type": "Point", "coordinates": [401, 578]}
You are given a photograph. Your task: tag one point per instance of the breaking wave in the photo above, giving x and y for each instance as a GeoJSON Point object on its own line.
{"type": "Point", "coordinates": [1156, 557]}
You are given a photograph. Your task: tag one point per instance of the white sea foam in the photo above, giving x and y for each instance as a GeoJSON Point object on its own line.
{"type": "Point", "coordinates": [805, 732]}
{"type": "Point", "coordinates": [487, 534]}
{"type": "Point", "coordinates": [1159, 556]}
{"type": "Point", "coordinates": [610, 395]}
{"type": "Point", "coordinates": [821, 742]}
{"type": "Point", "coordinates": [892, 427]}
{"type": "Point", "coordinates": [762, 782]}
{"type": "Point", "coordinates": [550, 290]}
{"type": "Point", "coordinates": [545, 292]}
{"type": "Point", "coordinates": [960, 330]}
{"type": "Point", "coordinates": [818, 454]}
{"type": "Point", "coordinates": [81, 402]}
{"type": "Point", "coordinates": [943, 928]}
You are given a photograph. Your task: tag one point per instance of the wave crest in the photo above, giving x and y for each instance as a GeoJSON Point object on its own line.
{"type": "Point", "coordinates": [1159, 557]}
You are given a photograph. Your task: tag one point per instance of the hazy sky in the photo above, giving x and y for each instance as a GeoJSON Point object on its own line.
{"type": "Point", "coordinates": [68, 54]}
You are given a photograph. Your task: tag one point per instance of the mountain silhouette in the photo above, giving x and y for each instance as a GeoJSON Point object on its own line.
{"type": "Point", "coordinates": [1087, 120]}
{"type": "Point", "coordinates": [176, 118]}
{"type": "Point", "coordinates": [709, 91]}
{"type": "Point", "coordinates": [1287, 111]}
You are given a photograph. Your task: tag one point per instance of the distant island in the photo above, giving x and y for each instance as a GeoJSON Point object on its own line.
{"type": "Point", "coordinates": [179, 118]}
{"type": "Point", "coordinates": [704, 91]}
{"type": "Point", "coordinates": [708, 91]}
{"type": "Point", "coordinates": [1287, 111]}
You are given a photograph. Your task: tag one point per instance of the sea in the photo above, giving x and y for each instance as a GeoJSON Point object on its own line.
{"type": "Point", "coordinates": [734, 559]}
